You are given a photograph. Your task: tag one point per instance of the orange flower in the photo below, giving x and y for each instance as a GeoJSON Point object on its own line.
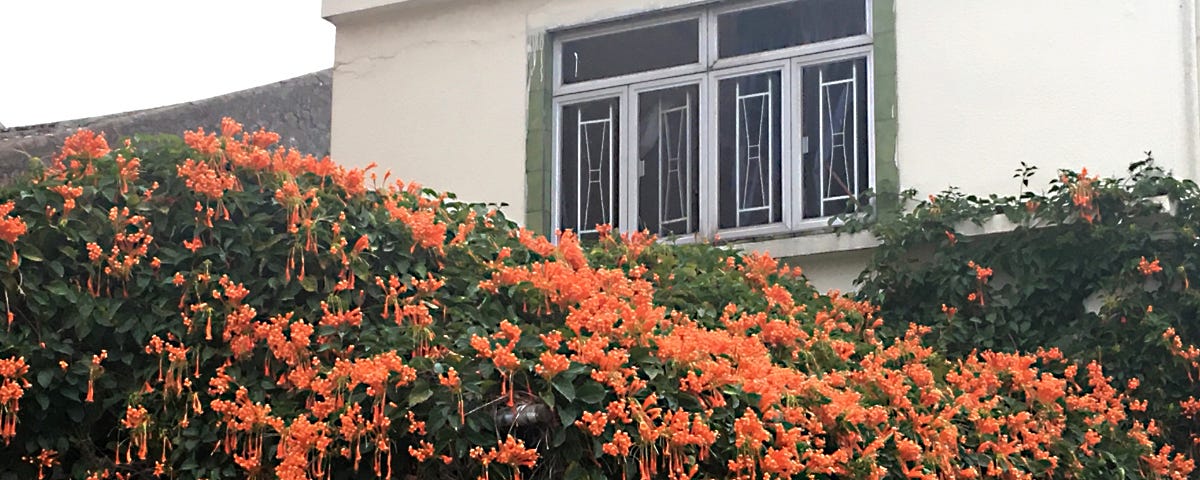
{"type": "Point", "coordinates": [229, 127]}
{"type": "Point", "coordinates": [592, 422]}
{"type": "Point", "coordinates": [451, 380]}
{"type": "Point", "coordinates": [949, 311]}
{"type": "Point", "coordinates": [94, 370]}
{"type": "Point", "coordinates": [205, 144]}
{"type": "Point", "coordinates": [194, 244]}
{"type": "Point", "coordinates": [84, 144]}
{"type": "Point", "coordinates": [12, 388]}
{"type": "Point", "coordinates": [620, 444]}
{"type": "Point", "coordinates": [11, 228]}
{"type": "Point", "coordinates": [137, 420]}
{"type": "Point", "coordinates": [69, 194]}
{"type": "Point", "coordinates": [1083, 195]}
{"type": "Point", "coordinates": [510, 452]}
{"type": "Point", "coordinates": [362, 244]}
{"type": "Point", "coordinates": [1149, 268]}
{"type": "Point", "coordinates": [421, 453]}
{"type": "Point", "coordinates": [45, 459]}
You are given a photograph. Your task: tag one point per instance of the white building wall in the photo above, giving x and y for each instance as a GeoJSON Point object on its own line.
{"type": "Point", "coordinates": [435, 90]}
{"type": "Point", "coordinates": [984, 85]}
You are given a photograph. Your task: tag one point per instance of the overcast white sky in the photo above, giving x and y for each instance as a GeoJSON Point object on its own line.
{"type": "Point", "coordinates": [65, 59]}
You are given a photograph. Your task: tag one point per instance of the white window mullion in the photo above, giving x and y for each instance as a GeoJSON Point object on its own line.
{"type": "Point", "coordinates": [709, 27]}
{"type": "Point", "coordinates": [629, 168]}
{"type": "Point", "coordinates": [709, 177]}
{"type": "Point", "coordinates": [707, 222]}
{"type": "Point", "coordinates": [789, 163]}
{"type": "Point", "coordinates": [869, 76]}
{"type": "Point", "coordinates": [797, 152]}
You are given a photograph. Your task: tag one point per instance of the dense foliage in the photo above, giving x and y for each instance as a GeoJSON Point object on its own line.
{"type": "Point", "coordinates": [220, 308]}
{"type": "Point", "coordinates": [1099, 268]}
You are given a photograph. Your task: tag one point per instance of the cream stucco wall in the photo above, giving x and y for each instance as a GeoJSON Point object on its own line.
{"type": "Point", "coordinates": [436, 90]}
{"type": "Point", "coordinates": [984, 85]}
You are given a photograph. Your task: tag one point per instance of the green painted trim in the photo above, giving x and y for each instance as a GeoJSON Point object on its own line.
{"type": "Point", "coordinates": [887, 173]}
{"type": "Point", "coordinates": [539, 129]}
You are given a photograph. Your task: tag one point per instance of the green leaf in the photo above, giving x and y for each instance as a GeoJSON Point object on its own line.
{"type": "Point", "coordinates": [568, 414]}
{"type": "Point", "coordinates": [420, 393]}
{"type": "Point", "coordinates": [309, 283]}
{"type": "Point", "coordinates": [31, 252]}
{"type": "Point", "coordinates": [45, 376]}
{"type": "Point", "coordinates": [564, 387]}
{"type": "Point", "coordinates": [590, 392]}
{"type": "Point", "coordinates": [575, 471]}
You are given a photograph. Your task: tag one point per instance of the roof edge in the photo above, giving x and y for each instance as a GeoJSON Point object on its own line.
{"type": "Point", "coordinates": [325, 75]}
{"type": "Point", "coordinates": [337, 8]}
{"type": "Point", "coordinates": [336, 11]}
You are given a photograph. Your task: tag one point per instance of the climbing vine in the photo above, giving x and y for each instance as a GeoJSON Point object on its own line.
{"type": "Point", "coordinates": [1098, 267]}
{"type": "Point", "coordinates": [219, 307]}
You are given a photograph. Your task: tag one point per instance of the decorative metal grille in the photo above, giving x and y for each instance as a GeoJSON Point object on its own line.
{"type": "Point", "coordinates": [838, 149]}
{"type": "Point", "coordinates": [755, 157]}
{"type": "Point", "coordinates": [674, 160]}
{"type": "Point", "coordinates": [595, 156]}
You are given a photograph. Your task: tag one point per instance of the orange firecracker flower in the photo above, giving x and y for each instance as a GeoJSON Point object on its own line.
{"type": "Point", "coordinates": [1148, 268]}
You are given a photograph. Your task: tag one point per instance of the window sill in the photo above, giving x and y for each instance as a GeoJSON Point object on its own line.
{"type": "Point", "coordinates": [825, 241]}
{"type": "Point", "coordinates": [814, 242]}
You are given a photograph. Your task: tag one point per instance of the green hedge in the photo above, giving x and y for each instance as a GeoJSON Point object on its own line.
{"type": "Point", "coordinates": [218, 307]}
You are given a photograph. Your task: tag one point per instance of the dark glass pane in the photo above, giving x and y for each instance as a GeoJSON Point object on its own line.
{"type": "Point", "coordinates": [788, 25]}
{"type": "Point", "coordinates": [631, 51]}
{"type": "Point", "coordinates": [749, 150]}
{"type": "Point", "coordinates": [669, 160]}
{"type": "Point", "coordinates": [590, 165]}
{"type": "Point", "coordinates": [834, 141]}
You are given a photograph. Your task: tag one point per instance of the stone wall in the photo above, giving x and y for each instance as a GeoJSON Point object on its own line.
{"type": "Point", "coordinates": [298, 109]}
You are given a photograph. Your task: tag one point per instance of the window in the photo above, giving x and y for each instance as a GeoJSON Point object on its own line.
{"type": "Point", "coordinates": [737, 119]}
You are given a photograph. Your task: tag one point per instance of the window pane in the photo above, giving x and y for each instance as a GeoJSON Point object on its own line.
{"type": "Point", "coordinates": [749, 150]}
{"type": "Point", "coordinates": [590, 165]}
{"type": "Point", "coordinates": [834, 142]}
{"type": "Point", "coordinates": [632, 51]}
{"type": "Point", "coordinates": [668, 155]}
{"type": "Point", "coordinates": [788, 25]}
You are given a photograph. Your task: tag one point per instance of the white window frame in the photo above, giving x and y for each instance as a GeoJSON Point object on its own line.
{"type": "Point", "coordinates": [707, 74]}
{"type": "Point", "coordinates": [787, 164]}
{"type": "Point", "coordinates": [622, 95]}
{"type": "Point", "coordinates": [783, 53]}
{"type": "Point", "coordinates": [588, 85]}
{"type": "Point", "coordinates": [798, 65]}
{"type": "Point", "coordinates": [703, 112]}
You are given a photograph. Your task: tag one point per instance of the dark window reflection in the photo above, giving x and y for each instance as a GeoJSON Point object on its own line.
{"type": "Point", "coordinates": [632, 51]}
{"type": "Point", "coordinates": [590, 165]}
{"type": "Point", "coordinates": [669, 160]}
{"type": "Point", "coordinates": [788, 25]}
{"type": "Point", "coordinates": [835, 141]}
{"type": "Point", "coordinates": [749, 150]}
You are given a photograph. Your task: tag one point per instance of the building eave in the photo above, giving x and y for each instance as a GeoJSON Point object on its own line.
{"type": "Point", "coordinates": [337, 10]}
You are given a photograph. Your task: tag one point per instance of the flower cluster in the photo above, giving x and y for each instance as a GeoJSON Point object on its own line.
{"type": "Point", "coordinates": [12, 388]}
{"type": "Point", "coordinates": [1083, 195]}
{"type": "Point", "coordinates": [288, 323]}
